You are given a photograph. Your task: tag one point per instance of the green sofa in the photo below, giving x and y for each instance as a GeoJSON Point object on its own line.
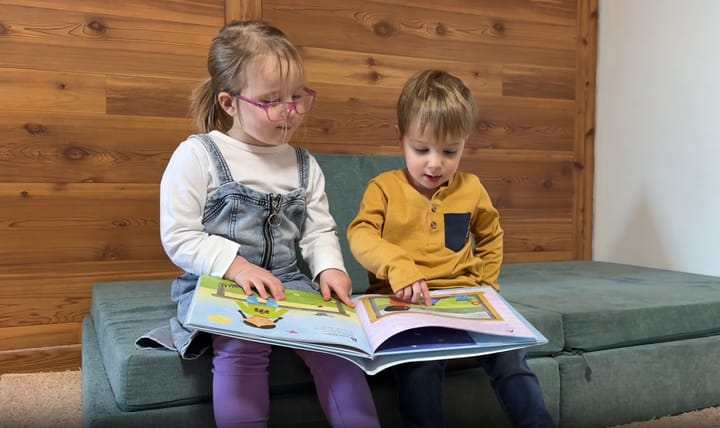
{"type": "Point", "coordinates": [626, 343]}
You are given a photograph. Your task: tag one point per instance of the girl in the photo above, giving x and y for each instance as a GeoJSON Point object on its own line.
{"type": "Point", "coordinates": [234, 202]}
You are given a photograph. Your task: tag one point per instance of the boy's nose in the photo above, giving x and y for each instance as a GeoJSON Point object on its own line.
{"type": "Point", "coordinates": [434, 161]}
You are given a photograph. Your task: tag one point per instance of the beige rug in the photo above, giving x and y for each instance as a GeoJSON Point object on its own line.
{"type": "Point", "coordinates": [41, 400]}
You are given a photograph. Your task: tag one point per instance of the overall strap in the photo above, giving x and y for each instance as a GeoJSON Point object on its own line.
{"type": "Point", "coordinates": [220, 165]}
{"type": "Point", "coordinates": [303, 162]}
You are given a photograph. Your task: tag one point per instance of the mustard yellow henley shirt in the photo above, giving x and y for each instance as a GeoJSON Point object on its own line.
{"type": "Point", "coordinates": [451, 240]}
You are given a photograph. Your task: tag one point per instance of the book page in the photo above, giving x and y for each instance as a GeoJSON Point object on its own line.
{"type": "Point", "coordinates": [222, 307]}
{"type": "Point", "coordinates": [474, 309]}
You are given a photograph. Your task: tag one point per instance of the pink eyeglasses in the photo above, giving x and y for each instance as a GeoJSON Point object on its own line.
{"type": "Point", "coordinates": [277, 111]}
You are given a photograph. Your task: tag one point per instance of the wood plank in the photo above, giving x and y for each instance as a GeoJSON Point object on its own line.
{"type": "Point", "coordinates": [525, 124]}
{"type": "Point", "coordinates": [142, 96]}
{"type": "Point", "coordinates": [585, 127]}
{"type": "Point", "coordinates": [537, 257]}
{"type": "Point", "coordinates": [65, 298]}
{"type": "Point", "coordinates": [64, 223]}
{"type": "Point", "coordinates": [531, 185]}
{"type": "Point", "coordinates": [561, 12]}
{"type": "Point", "coordinates": [51, 358]}
{"type": "Point", "coordinates": [349, 68]}
{"type": "Point", "coordinates": [68, 27]}
{"type": "Point", "coordinates": [52, 91]}
{"type": "Point", "coordinates": [538, 82]}
{"type": "Point", "coordinates": [91, 272]}
{"type": "Point", "coordinates": [205, 12]}
{"type": "Point", "coordinates": [523, 236]}
{"type": "Point", "coordinates": [101, 60]}
{"type": "Point", "coordinates": [406, 30]}
{"type": "Point", "coordinates": [45, 147]}
{"type": "Point", "coordinates": [243, 9]}
{"type": "Point", "coordinates": [347, 113]}
{"type": "Point", "coordinates": [103, 44]}
{"type": "Point", "coordinates": [38, 336]}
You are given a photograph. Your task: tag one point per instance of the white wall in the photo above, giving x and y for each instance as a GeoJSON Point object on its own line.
{"type": "Point", "coordinates": [657, 145]}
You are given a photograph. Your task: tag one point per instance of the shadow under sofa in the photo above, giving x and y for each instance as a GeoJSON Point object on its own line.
{"type": "Point", "coordinates": [626, 343]}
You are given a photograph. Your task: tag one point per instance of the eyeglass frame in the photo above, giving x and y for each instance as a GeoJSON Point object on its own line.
{"type": "Point", "coordinates": [290, 104]}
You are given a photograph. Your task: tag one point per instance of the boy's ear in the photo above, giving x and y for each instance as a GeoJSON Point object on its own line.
{"type": "Point", "coordinates": [397, 131]}
{"type": "Point", "coordinates": [226, 103]}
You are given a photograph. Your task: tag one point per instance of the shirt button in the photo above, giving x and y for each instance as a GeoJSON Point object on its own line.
{"type": "Point", "coordinates": [434, 208]}
{"type": "Point", "coordinates": [433, 225]}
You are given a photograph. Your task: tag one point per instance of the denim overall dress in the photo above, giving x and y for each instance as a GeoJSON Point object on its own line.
{"type": "Point", "coordinates": [266, 225]}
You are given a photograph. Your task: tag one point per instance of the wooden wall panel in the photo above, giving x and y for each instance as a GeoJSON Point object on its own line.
{"type": "Point", "coordinates": [142, 96]}
{"type": "Point", "coordinates": [86, 148]}
{"type": "Point", "coordinates": [95, 99]}
{"type": "Point", "coordinates": [51, 91]}
{"type": "Point", "coordinates": [431, 32]}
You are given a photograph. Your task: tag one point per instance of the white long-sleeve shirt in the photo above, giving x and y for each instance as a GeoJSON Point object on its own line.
{"type": "Point", "coordinates": [190, 178]}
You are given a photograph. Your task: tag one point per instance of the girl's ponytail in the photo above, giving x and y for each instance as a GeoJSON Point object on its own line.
{"type": "Point", "coordinates": [206, 111]}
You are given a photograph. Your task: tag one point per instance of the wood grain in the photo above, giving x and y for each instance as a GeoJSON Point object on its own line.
{"type": "Point", "coordinates": [31, 360]}
{"type": "Point", "coordinates": [239, 9]}
{"type": "Point", "coordinates": [585, 126]}
{"type": "Point", "coordinates": [39, 336]}
{"type": "Point", "coordinates": [30, 90]}
{"type": "Point", "coordinates": [430, 32]}
{"type": "Point", "coordinates": [204, 12]}
{"type": "Point", "coordinates": [86, 148]}
{"type": "Point", "coordinates": [142, 96]}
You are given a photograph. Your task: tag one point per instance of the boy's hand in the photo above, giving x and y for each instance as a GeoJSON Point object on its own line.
{"type": "Point", "coordinates": [337, 282]}
{"type": "Point", "coordinates": [415, 293]}
{"type": "Point", "coordinates": [249, 276]}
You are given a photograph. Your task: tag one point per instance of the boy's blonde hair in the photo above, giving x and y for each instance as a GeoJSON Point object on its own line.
{"type": "Point", "coordinates": [238, 45]}
{"type": "Point", "coordinates": [437, 99]}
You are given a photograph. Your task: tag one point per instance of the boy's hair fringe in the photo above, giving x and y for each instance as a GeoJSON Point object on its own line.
{"type": "Point", "coordinates": [437, 99]}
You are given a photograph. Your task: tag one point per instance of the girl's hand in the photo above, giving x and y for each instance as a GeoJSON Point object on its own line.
{"type": "Point", "coordinates": [337, 282]}
{"type": "Point", "coordinates": [249, 276]}
{"type": "Point", "coordinates": [415, 293]}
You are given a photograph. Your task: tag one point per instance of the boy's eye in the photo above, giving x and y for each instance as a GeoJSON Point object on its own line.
{"type": "Point", "coordinates": [450, 152]}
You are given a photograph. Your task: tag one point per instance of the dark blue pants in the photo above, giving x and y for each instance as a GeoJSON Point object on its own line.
{"type": "Point", "coordinates": [420, 391]}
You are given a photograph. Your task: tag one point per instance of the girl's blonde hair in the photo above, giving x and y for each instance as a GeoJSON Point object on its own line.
{"type": "Point", "coordinates": [232, 51]}
{"type": "Point", "coordinates": [437, 99]}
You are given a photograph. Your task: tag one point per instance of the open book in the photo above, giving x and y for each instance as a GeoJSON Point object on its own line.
{"type": "Point", "coordinates": [378, 333]}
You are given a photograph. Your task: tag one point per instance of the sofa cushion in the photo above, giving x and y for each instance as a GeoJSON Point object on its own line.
{"type": "Point", "coordinates": [549, 324]}
{"type": "Point", "coordinates": [145, 379]}
{"type": "Point", "coordinates": [150, 378]}
{"type": "Point", "coordinates": [609, 305]}
{"type": "Point", "coordinates": [637, 383]}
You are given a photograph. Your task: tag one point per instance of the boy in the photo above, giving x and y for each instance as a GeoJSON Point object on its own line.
{"type": "Point", "coordinates": [432, 226]}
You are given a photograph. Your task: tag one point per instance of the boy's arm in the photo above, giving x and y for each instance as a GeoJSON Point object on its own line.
{"type": "Point", "coordinates": [488, 238]}
{"type": "Point", "coordinates": [374, 253]}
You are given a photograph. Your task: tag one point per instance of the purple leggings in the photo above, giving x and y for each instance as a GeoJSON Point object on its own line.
{"type": "Point", "coordinates": [241, 394]}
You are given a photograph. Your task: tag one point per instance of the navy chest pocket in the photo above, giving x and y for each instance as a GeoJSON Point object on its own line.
{"type": "Point", "coordinates": [457, 227]}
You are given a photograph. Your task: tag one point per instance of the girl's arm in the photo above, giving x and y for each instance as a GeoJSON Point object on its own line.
{"type": "Point", "coordinates": [319, 243]}
{"type": "Point", "coordinates": [184, 188]}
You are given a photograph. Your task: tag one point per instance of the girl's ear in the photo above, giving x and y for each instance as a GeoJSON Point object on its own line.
{"type": "Point", "coordinates": [226, 103]}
